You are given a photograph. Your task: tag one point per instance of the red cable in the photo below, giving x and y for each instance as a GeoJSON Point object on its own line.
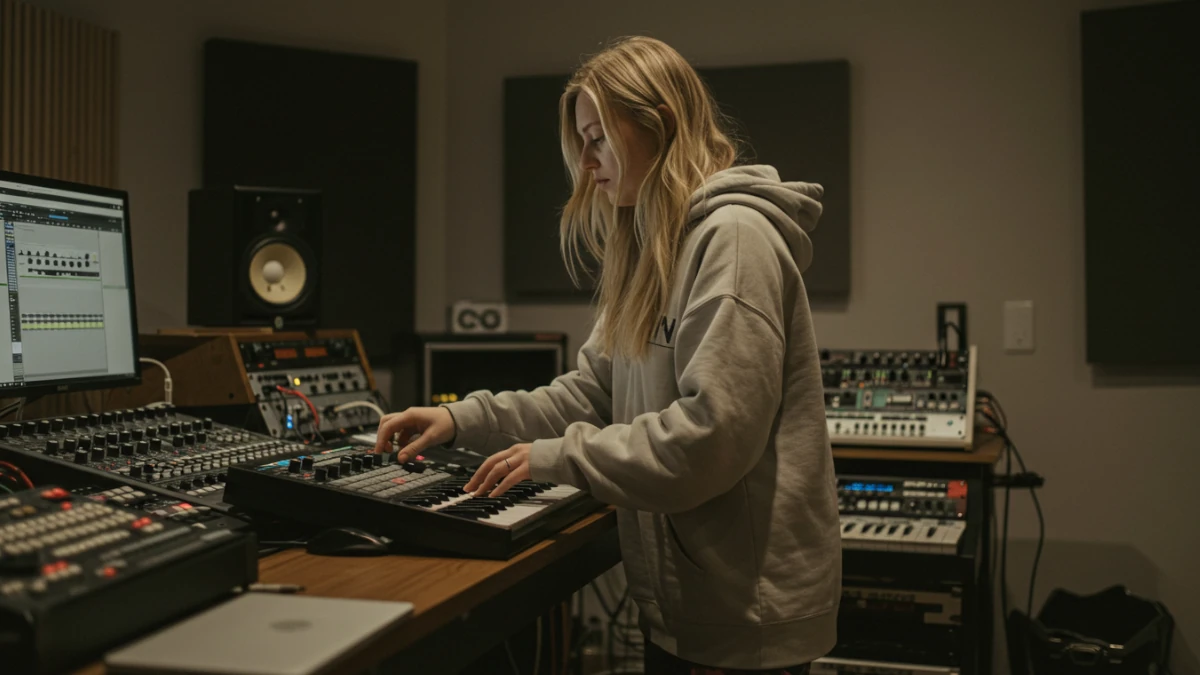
{"type": "Point", "coordinates": [312, 408]}
{"type": "Point", "coordinates": [20, 473]}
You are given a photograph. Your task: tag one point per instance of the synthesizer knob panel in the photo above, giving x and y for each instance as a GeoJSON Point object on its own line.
{"type": "Point", "coordinates": [898, 398]}
{"type": "Point", "coordinates": [902, 514]}
{"type": "Point", "coordinates": [79, 576]}
{"type": "Point", "coordinates": [155, 450]}
{"type": "Point", "coordinates": [329, 371]}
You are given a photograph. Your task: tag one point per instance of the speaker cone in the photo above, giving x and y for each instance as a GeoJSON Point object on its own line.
{"type": "Point", "coordinates": [278, 274]}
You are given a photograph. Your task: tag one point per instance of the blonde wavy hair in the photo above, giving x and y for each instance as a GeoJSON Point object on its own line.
{"type": "Point", "coordinates": [637, 249]}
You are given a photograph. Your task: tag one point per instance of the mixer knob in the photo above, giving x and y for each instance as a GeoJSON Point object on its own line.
{"type": "Point", "coordinates": [356, 463]}
{"type": "Point", "coordinates": [320, 474]}
{"type": "Point", "coordinates": [42, 427]}
{"type": "Point", "coordinates": [306, 463]}
{"type": "Point", "coordinates": [98, 440]}
{"type": "Point", "coordinates": [135, 471]}
{"type": "Point", "coordinates": [139, 414]}
{"type": "Point", "coordinates": [30, 428]}
{"type": "Point", "coordinates": [129, 415]}
{"type": "Point", "coordinates": [126, 436]}
{"type": "Point", "coordinates": [142, 447]}
{"type": "Point", "coordinates": [164, 430]}
{"type": "Point", "coordinates": [85, 442]}
{"type": "Point", "coordinates": [334, 471]}
{"type": "Point", "coordinates": [127, 449]}
{"type": "Point", "coordinates": [81, 456]}
{"type": "Point", "coordinates": [70, 444]}
{"type": "Point", "coordinates": [210, 479]}
{"type": "Point", "coordinates": [377, 459]}
{"type": "Point", "coordinates": [201, 437]}
{"type": "Point", "coordinates": [155, 445]}
{"type": "Point", "coordinates": [3, 431]}
{"type": "Point", "coordinates": [56, 425]}
{"type": "Point", "coordinates": [151, 432]}
{"type": "Point", "coordinates": [175, 428]}
{"type": "Point", "coordinates": [106, 418]}
{"type": "Point", "coordinates": [208, 423]}
{"type": "Point", "coordinates": [97, 454]}
{"type": "Point", "coordinates": [177, 441]}
{"type": "Point", "coordinates": [139, 434]}
{"type": "Point", "coordinates": [294, 466]}
{"type": "Point", "coordinates": [70, 423]}
{"type": "Point", "coordinates": [113, 437]}
{"type": "Point", "coordinates": [93, 420]}
{"type": "Point", "coordinates": [113, 450]}
{"type": "Point", "coordinates": [52, 447]}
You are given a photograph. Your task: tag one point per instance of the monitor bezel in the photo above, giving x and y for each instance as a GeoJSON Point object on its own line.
{"type": "Point", "coordinates": [38, 389]}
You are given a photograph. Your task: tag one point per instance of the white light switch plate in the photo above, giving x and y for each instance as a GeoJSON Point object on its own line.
{"type": "Point", "coordinates": [1018, 326]}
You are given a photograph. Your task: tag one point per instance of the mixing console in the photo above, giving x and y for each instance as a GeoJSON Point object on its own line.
{"type": "Point", "coordinates": [156, 450]}
{"type": "Point", "coordinates": [79, 576]}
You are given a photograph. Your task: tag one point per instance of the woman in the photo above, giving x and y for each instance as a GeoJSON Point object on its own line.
{"type": "Point", "coordinates": [697, 406]}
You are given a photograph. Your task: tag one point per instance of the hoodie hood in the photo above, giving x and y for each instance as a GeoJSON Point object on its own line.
{"type": "Point", "coordinates": [793, 208]}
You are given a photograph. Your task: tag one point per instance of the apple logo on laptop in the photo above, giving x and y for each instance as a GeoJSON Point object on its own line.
{"type": "Point", "coordinates": [291, 625]}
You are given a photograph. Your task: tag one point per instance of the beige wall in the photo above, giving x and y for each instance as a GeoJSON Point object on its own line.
{"type": "Point", "coordinates": [966, 178]}
{"type": "Point", "coordinates": [161, 116]}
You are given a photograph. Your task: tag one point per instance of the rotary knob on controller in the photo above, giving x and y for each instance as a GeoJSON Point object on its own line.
{"type": "Point", "coordinates": [81, 456]}
{"type": "Point", "coordinates": [135, 471]}
{"type": "Point", "coordinates": [139, 434]}
{"type": "Point", "coordinates": [52, 447]}
{"type": "Point", "coordinates": [106, 418]}
{"type": "Point", "coordinates": [56, 425]}
{"type": "Point", "coordinates": [125, 436]}
{"type": "Point", "coordinates": [113, 437]}
{"type": "Point", "coordinates": [70, 444]}
{"type": "Point", "coordinates": [142, 447]}
{"type": "Point", "coordinates": [321, 474]}
{"type": "Point", "coordinates": [43, 426]}
{"type": "Point", "coordinates": [306, 463]}
{"type": "Point", "coordinates": [97, 454]}
{"type": "Point", "coordinates": [127, 449]}
{"type": "Point", "coordinates": [294, 466]}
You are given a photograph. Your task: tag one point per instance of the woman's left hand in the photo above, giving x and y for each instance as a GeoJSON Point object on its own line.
{"type": "Point", "coordinates": [506, 468]}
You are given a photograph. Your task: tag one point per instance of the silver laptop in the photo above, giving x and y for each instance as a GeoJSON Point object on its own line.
{"type": "Point", "coordinates": [262, 634]}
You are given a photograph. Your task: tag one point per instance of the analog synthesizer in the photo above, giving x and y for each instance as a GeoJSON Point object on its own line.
{"type": "Point", "coordinates": [898, 398]}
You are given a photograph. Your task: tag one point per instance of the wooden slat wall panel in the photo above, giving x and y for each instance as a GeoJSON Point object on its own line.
{"type": "Point", "coordinates": [58, 119]}
{"type": "Point", "coordinates": [58, 95]}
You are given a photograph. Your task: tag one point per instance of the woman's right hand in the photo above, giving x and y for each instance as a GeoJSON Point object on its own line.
{"type": "Point", "coordinates": [414, 430]}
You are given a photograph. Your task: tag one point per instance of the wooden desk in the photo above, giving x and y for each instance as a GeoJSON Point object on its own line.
{"type": "Point", "coordinates": [987, 451]}
{"type": "Point", "coordinates": [462, 607]}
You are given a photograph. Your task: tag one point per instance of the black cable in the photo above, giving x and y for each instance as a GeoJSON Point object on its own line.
{"type": "Point", "coordinates": [1011, 449]}
{"type": "Point", "coordinates": [1037, 505]}
{"type": "Point", "coordinates": [1004, 539]}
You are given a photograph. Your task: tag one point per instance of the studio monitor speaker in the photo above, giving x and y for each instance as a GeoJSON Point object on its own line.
{"type": "Point", "coordinates": [254, 257]}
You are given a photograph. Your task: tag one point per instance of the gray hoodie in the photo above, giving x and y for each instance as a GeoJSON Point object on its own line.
{"type": "Point", "coordinates": [714, 446]}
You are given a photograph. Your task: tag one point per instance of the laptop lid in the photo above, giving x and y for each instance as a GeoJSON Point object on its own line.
{"type": "Point", "coordinates": [262, 634]}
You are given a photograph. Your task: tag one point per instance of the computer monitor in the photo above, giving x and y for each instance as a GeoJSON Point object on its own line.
{"type": "Point", "coordinates": [70, 311]}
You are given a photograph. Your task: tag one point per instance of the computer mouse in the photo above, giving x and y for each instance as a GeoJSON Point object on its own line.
{"type": "Point", "coordinates": [347, 541]}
